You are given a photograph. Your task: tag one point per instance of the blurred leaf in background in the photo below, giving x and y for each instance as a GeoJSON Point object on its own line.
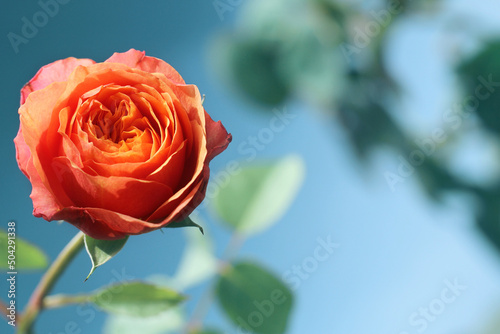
{"type": "Point", "coordinates": [282, 48]}
{"type": "Point", "coordinates": [254, 299]}
{"type": "Point", "coordinates": [25, 255]}
{"type": "Point", "coordinates": [137, 299]}
{"type": "Point", "coordinates": [480, 77]}
{"type": "Point", "coordinates": [260, 194]}
{"type": "Point", "coordinates": [169, 320]}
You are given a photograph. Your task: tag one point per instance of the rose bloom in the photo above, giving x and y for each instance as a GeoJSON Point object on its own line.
{"type": "Point", "coordinates": [115, 148]}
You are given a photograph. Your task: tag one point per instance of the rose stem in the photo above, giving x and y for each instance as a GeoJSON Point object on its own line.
{"type": "Point", "coordinates": [203, 305]}
{"type": "Point", "coordinates": [5, 312]}
{"type": "Point", "coordinates": [47, 282]}
{"type": "Point", "coordinates": [61, 300]}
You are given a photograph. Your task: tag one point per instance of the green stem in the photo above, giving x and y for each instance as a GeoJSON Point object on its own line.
{"type": "Point", "coordinates": [5, 312]}
{"type": "Point", "coordinates": [61, 300]}
{"type": "Point", "coordinates": [233, 246]}
{"type": "Point", "coordinates": [35, 304]}
{"type": "Point", "coordinates": [202, 308]}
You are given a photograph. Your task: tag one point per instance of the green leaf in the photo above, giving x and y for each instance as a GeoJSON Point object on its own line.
{"type": "Point", "coordinates": [101, 251]}
{"type": "Point", "coordinates": [185, 223]}
{"type": "Point", "coordinates": [27, 256]}
{"type": "Point", "coordinates": [488, 216]}
{"type": "Point", "coordinates": [480, 77]}
{"type": "Point", "coordinates": [251, 65]}
{"type": "Point", "coordinates": [315, 71]}
{"type": "Point", "coordinates": [136, 299]}
{"type": "Point", "coordinates": [259, 195]}
{"type": "Point", "coordinates": [254, 299]}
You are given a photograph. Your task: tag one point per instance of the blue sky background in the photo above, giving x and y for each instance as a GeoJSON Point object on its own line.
{"type": "Point", "coordinates": [397, 249]}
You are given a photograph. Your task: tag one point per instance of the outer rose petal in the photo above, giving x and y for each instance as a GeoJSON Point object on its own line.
{"type": "Point", "coordinates": [139, 60]}
{"type": "Point", "coordinates": [115, 193]}
{"type": "Point", "coordinates": [23, 153]}
{"type": "Point", "coordinates": [44, 202]}
{"type": "Point", "coordinates": [195, 199]}
{"type": "Point", "coordinates": [53, 72]}
{"type": "Point", "coordinates": [45, 205]}
{"type": "Point", "coordinates": [217, 137]}
{"type": "Point", "coordinates": [104, 224]}
{"type": "Point", "coordinates": [217, 141]}
{"type": "Point", "coordinates": [36, 116]}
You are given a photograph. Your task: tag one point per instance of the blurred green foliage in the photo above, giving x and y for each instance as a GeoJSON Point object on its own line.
{"type": "Point", "coordinates": [285, 47]}
{"type": "Point", "coordinates": [480, 77]}
{"type": "Point", "coordinates": [484, 67]}
{"type": "Point", "coordinates": [136, 299]}
{"type": "Point", "coordinates": [254, 299]}
{"type": "Point", "coordinates": [260, 194]}
{"type": "Point", "coordinates": [332, 55]}
{"type": "Point", "coordinates": [23, 255]}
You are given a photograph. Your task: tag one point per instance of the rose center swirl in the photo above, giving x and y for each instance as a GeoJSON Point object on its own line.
{"type": "Point", "coordinates": [121, 117]}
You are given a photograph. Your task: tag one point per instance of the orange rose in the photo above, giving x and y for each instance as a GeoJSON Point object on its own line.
{"type": "Point", "coordinates": [115, 148]}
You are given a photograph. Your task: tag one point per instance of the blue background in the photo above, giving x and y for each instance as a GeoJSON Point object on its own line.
{"type": "Point", "coordinates": [397, 249]}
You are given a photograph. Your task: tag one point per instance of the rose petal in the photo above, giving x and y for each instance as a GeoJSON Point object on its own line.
{"type": "Point", "coordinates": [36, 114]}
{"type": "Point", "coordinates": [139, 60]}
{"type": "Point", "coordinates": [190, 97]}
{"type": "Point", "coordinates": [170, 172]}
{"type": "Point", "coordinates": [179, 207]}
{"type": "Point", "coordinates": [46, 205]}
{"type": "Point", "coordinates": [194, 168]}
{"type": "Point", "coordinates": [22, 152]}
{"type": "Point", "coordinates": [36, 118]}
{"type": "Point", "coordinates": [192, 202]}
{"type": "Point", "coordinates": [217, 137]}
{"type": "Point", "coordinates": [116, 193]}
{"type": "Point", "coordinates": [53, 72]}
{"type": "Point", "coordinates": [104, 224]}
{"type": "Point", "coordinates": [86, 79]}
